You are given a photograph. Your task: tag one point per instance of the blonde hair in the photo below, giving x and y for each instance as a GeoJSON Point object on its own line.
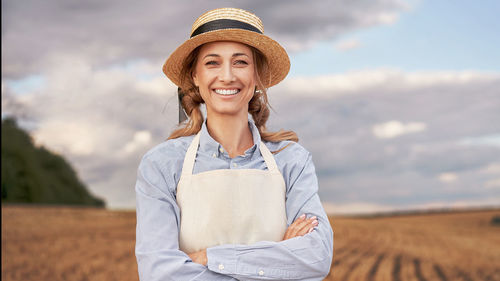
{"type": "Point", "coordinates": [258, 106]}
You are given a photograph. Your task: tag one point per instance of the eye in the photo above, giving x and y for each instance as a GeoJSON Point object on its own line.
{"type": "Point", "coordinates": [242, 62]}
{"type": "Point", "coordinates": [211, 62]}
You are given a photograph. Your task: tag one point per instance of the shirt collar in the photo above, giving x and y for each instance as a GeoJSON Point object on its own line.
{"type": "Point", "coordinates": [209, 145]}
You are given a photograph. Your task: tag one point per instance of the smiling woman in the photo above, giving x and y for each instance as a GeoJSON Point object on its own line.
{"type": "Point", "coordinates": [213, 201]}
{"type": "Point", "coordinates": [225, 77]}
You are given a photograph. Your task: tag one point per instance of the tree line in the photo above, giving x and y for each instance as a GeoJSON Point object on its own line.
{"type": "Point", "coordinates": [32, 174]}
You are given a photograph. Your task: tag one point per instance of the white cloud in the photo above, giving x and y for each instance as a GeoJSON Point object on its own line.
{"type": "Point", "coordinates": [387, 18]}
{"type": "Point", "coordinates": [347, 45]}
{"type": "Point", "coordinates": [140, 139]}
{"type": "Point", "coordinates": [378, 81]}
{"type": "Point", "coordinates": [448, 177]}
{"type": "Point", "coordinates": [492, 169]}
{"type": "Point", "coordinates": [69, 138]}
{"type": "Point", "coordinates": [363, 208]}
{"type": "Point", "coordinates": [355, 208]}
{"type": "Point", "coordinates": [494, 183]}
{"type": "Point", "coordinates": [394, 128]}
{"type": "Point", "coordinates": [485, 140]}
{"type": "Point", "coordinates": [458, 204]}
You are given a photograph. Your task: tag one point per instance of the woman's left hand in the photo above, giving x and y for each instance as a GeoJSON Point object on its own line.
{"type": "Point", "coordinates": [199, 257]}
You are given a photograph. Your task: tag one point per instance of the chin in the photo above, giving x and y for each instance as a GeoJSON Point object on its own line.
{"type": "Point", "coordinates": [226, 110]}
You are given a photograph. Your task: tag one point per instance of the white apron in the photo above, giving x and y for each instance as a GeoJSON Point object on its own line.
{"type": "Point", "coordinates": [230, 206]}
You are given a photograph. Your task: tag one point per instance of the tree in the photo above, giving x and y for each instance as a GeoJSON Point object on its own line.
{"type": "Point", "coordinates": [36, 175]}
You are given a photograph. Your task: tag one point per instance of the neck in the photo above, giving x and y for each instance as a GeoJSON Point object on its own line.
{"type": "Point", "coordinates": [232, 133]}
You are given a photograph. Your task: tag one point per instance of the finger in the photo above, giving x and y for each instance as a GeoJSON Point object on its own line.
{"type": "Point", "coordinates": [310, 223]}
{"type": "Point", "coordinates": [301, 227]}
{"type": "Point", "coordinates": [308, 228]}
{"type": "Point", "coordinates": [305, 224]}
{"type": "Point", "coordinates": [292, 228]}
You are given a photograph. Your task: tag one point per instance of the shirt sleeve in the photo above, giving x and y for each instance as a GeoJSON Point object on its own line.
{"type": "Point", "coordinates": [157, 247]}
{"type": "Point", "coordinates": [305, 257]}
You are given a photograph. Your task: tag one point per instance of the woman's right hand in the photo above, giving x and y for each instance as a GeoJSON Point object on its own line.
{"type": "Point", "coordinates": [301, 226]}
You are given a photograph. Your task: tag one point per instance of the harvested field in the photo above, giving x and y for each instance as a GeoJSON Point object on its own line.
{"type": "Point", "coordinates": [440, 246]}
{"type": "Point", "coordinates": [47, 243]}
{"type": "Point", "coordinates": [60, 243]}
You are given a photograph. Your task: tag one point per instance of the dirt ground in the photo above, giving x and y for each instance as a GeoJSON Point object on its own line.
{"type": "Point", "coordinates": [56, 243]}
{"type": "Point", "coordinates": [62, 243]}
{"type": "Point", "coordinates": [444, 247]}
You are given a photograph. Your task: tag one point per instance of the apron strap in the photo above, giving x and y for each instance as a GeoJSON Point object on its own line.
{"type": "Point", "coordinates": [268, 157]}
{"type": "Point", "coordinates": [187, 167]}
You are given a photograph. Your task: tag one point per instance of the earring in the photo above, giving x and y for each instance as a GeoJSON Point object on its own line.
{"type": "Point", "coordinates": [258, 91]}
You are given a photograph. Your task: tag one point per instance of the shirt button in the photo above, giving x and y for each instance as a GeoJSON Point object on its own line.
{"type": "Point", "coordinates": [261, 272]}
{"type": "Point", "coordinates": [221, 266]}
{"type": "Point", "coordinates": [214, 155]}
{"type": "Point", "coordinates": [221, 150]}
{"type": "Point", "coordinates": [235, 165]}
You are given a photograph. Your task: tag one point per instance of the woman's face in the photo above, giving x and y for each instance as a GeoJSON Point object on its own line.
{"type": "Point", "coordinates": [225, 76]}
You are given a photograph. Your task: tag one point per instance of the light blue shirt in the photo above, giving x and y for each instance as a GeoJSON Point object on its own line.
{"type": "Point", "coordinates": [306, 257]}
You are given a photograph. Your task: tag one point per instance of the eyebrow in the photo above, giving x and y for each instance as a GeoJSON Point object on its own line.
{"type": "Point", "coordinates": [234, 55]}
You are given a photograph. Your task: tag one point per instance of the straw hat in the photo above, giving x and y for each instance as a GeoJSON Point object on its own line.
{"type": "Point", "coordinates": [230, 24]}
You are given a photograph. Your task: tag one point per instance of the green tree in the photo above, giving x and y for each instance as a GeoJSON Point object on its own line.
{"type": "Point", "coordinates": [35, 175]}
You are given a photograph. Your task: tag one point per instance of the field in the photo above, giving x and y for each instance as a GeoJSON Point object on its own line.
{"type": "Point", "coordinates": [444, 247]}
{"type": "Point", "coordinates": [59, 243]}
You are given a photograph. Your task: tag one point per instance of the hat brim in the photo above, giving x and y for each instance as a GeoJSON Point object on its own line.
{"type": "Point", "coordinates": [276, 56]}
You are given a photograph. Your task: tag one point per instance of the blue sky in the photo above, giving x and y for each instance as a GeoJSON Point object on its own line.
{"type": "Point", "coordinates": [430, 35]}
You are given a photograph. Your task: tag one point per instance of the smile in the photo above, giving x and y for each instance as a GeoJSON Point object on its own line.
{"type": "Point", "coordinates": [227, 92]}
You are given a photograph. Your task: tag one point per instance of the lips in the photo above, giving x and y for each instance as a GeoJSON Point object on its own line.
{"type": "Point", "coordinates": [227, 92]}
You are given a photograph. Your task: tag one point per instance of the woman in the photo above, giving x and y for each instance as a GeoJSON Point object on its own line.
{"type": "Point", "coordinates": [226, 199]}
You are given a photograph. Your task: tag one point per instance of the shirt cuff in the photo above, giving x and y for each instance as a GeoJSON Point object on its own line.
{"type": "Point", "coordinates": [222, 259]}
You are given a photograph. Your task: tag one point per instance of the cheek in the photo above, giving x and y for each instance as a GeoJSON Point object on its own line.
{"type": "Point", "coordinates": [196, 77]}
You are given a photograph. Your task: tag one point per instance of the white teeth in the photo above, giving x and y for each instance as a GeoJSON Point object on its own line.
{"type": "Point", "coordinates": [226, 92]}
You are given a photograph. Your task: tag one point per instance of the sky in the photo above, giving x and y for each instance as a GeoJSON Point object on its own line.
{"type": "Point", "coordinates": [398, 101]}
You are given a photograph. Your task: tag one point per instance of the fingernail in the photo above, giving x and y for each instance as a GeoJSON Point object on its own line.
{"type": "Point", "coordinates": [310, 230]}
{"type": "Point", "coordinates": [303, 216]}
{"type": "Point", "coordinates": [312, 218]}
{"type": "Point", "coordinates": [315, 222]}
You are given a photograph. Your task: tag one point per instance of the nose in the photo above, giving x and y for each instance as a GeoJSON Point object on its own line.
{"type": "Point", "coordinates": [226, 73]}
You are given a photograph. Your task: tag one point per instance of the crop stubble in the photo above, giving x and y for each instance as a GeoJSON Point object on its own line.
{"type": "Point", "coordinates": [62, 243]}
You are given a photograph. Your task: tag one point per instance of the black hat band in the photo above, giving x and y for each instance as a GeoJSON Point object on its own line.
{"type": "Point", "coordinates": [224, 24]}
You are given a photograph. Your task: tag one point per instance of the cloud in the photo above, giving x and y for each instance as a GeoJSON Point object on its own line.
{"type": "Point", "coordinates": [355, 208]}
{"type": "Point", "coordinates": [347, 45]}
{"type": "Point", "coordinates": [104, 33]}
{"type": "Point", "coordinates": [365, 208]}
{"type": "Point", "coordinates": [394, 128]}
{"type": "Point", "coordinates": [87, 83]}
{"type": "Point", "coordinates": [494, 183]}
{"type": "Point", "coordinates": [105, 119]}
{"type": "Point", "coordinates": [140, 139]}
{"type": "Point", "coordinates": [383, 80]}
{"type": "Point", "coordinates": [492, 169]}
{"type": "Point", "coordinates": [448, 177]}
{"type": "Point", "coordinates": [488, 140]}
{"type": "Point", "coordinates": [334, 116]}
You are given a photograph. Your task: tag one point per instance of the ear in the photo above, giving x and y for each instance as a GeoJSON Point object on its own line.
{"type": "Point", "coordinates": [195, 78]}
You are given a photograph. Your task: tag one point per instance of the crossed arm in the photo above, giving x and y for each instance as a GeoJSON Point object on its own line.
{"type": "Point", "coordinates": [301, 255]}
{"type": "Point", "coordinates": [300, 227]}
